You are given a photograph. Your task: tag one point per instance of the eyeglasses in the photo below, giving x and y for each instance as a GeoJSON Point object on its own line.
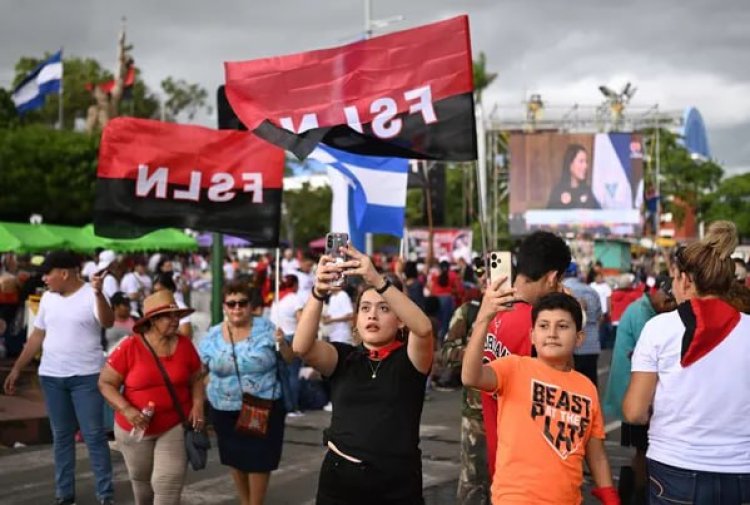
{"type": "Point", "coordinates": [237, 303]}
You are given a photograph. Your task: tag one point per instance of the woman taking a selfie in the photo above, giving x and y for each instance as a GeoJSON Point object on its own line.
{"type": "Point", "coordinates": [377, 389]}
{"type": "Point", "coordinates": [242, 349]}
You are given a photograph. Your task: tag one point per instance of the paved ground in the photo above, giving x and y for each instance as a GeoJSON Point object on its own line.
{"type": "Point", "coordinates": [26, 475]}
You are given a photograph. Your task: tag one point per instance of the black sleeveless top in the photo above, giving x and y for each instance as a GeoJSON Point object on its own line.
{"type": "Point", "coordinates": [376, 419]}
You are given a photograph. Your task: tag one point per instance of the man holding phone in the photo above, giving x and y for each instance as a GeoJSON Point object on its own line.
{"type": "Point", "coordinates": [541, 262]}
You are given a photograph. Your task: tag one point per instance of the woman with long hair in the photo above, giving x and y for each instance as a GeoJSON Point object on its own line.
{"type": "Point", "coordinates": [690, 377]}
{"type": "Point", "coordinates": [377, 388]}
{"type": "Point", "coordinates": [239, 357]}
{"type": "Point", "coordinates": [573, 190]}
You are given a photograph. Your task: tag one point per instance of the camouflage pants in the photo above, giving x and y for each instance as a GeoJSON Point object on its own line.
{"type": "Point", "coordinates": [474, 481]}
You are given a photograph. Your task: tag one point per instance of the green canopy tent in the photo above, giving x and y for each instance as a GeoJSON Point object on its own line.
{"type": "Point", "coordinates": [168, 239]}
{"type": "Point", "coordinates": [8, 241]}
{"type": "Point", "coordinates": [37, 238]}
{"type": "Point", "coordinates": [32, 238]}
{"type": "Point", "coordinates": [80, 240]}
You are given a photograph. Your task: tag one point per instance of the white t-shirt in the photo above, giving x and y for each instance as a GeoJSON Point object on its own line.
{"type": "Point", "coordinates": [306, 284]}
{"type": "Point", "coordinates": [72, 344]}
{"type": "Point", "coordinates": [110, 286]}
{"type": "Point", "coordinates": [228, 271]}
{"type": "Point", "coordinates": [338, 306]}
{"type": "Point", "coordinates": [604, 292]}
{"type": "Point", "coordinates": [288, 267]}
{"type": "Point", "coordinates": [701, 412]}
{"type": "Point", "coordinates": [284, 313]}
{"type": "Point", "coordinates": [133, 282]}
{"type": "Point", "coordinates": [89, 269]}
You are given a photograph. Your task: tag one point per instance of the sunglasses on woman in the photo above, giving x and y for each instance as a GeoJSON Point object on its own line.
{"type": "Point", "coordinates": [237, 303]}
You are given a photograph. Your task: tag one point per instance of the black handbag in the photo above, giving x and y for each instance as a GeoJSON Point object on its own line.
{"type": "Point", "coordinates": [197, 442]}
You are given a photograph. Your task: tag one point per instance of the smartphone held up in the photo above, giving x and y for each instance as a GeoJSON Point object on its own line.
{"type": "Point", "coordinates": [334, 242]}
{"type": "Point", "coordinates": [501, 267]}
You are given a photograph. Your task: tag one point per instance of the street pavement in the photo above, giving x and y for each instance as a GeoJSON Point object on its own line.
{"type": "Point", "coordinates": [27, 474]}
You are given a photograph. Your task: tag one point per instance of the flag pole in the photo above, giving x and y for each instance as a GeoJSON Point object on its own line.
{"type": "Point", "coordinates": [481, 169]}
{"type": "Point", "coordinates": [60, 96]}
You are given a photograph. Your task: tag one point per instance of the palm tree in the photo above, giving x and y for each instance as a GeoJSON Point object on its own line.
{"type": "Point", "coordinates": [482, 78]}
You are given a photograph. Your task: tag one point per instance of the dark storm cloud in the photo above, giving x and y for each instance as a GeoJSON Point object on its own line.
{"type": "Point", "coordinates": [678, 52]}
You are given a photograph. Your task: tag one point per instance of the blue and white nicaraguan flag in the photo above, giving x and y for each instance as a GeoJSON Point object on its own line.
{"type": "Point", "coordinates": [612, 176]}
{"type": "Point", "coordinates": [369, 193]}
{"type": "Point", "coordinates": [46, 78]}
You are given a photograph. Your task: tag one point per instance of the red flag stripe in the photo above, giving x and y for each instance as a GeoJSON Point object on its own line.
{"type": "Point", "coordinates": [128, 145]}
{"type": "Point", "coordinates": [397, 66]}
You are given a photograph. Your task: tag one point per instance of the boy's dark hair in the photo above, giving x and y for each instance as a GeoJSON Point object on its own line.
{"type": "Point", "coordinates": [561, 301]}
{"type": "Point", "coordinates": [119, 298]}
{"type": "Point", "coordinates": [540, 253]}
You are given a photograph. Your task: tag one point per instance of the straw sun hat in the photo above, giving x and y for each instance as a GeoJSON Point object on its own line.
{"type": "Point", "coordinates": [160, 303]}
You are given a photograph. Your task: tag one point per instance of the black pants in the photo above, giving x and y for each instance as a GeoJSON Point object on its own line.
{"type": "Point", "coordinates": [342, 482]}
{"type": "Point", "coordinates": [587, 364]}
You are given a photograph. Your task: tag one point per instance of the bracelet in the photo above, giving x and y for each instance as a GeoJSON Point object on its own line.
{"type": "Point", "coordinates": [320, 298]}
{"type": "Point", "coordinates": [384, 288]}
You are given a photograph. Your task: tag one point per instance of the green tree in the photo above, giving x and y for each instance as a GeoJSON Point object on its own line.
{"type": "Point", "coordinates": [730, 201]}
{"type": "Point", "coordinates": [183, 97]}
{"type": "Point", "coordinates": [307, 214]}
{"type": "Point", "coordinates": [8, 114]}
{"type": "Point", "coordinates": [47, 172]}
{"type": "Point", "coordinates": [681, 176]}
{"type": "Point", "coordinates": [482, 78]}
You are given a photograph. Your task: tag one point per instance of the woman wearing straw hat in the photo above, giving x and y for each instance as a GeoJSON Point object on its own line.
{"type": "Point", "coordinates": [157, 463]}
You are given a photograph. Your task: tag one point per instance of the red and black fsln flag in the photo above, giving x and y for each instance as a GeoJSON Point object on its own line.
{"type": "Point", "coordinates": [155, 175]}
{"type": "Point", "coordinates": [407, 94]}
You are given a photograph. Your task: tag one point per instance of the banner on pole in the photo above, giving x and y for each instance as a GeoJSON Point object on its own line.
{"type": "Point", "coordinates": [153, 175]}
{"type": "Point", "coordinates": [451, 243]}
{"type": "Point", "coordinates": [407, 94]}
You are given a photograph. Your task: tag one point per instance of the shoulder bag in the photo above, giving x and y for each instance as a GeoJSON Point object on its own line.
{"type": "Point", "coordinates": [255, 412]}
{"type": "Point", "coordinates": [197, 442]}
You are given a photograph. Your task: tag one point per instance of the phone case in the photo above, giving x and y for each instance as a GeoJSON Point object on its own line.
{"type": "Point", "coordinates": [501, 265]}
{"type": "Point", "coordinates": [334, 241]}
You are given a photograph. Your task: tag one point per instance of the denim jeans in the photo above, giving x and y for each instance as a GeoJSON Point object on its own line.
{"type": "Point", "coordinates": [445, 312]}
{"type": "Point", "coordinates": [669, 485]}
{"type": "Point", "coordinates": [73, 402]}
{"type": "Point", "coordinates": [294, 384]}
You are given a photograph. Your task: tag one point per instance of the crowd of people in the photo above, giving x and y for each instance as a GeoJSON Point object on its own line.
{"type": "Point", "coordinates": [525, 350]}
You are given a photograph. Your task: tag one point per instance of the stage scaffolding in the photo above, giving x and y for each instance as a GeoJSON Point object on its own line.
{"type": "Point", "coordinates": [501, 120]}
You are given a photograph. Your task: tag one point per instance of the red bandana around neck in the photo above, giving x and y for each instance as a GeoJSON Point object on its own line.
{"type": "Point", "coordinates": [707, 323]}
{"type": "Point", "coordinates": [383, 352]}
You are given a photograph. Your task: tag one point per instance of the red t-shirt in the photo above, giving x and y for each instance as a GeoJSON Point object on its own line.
{"type": "Point", "coordinates": [449, 289]}
{"type": "Point", "coordinates": [508, 333]}
{"type": "Point", "coordinates": [620, 299]}
{"type": "Point", "coordinates": [143, 381]}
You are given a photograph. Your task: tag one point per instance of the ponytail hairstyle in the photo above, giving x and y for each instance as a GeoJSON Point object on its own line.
{"type": "Point", "coordinates": [443, 278]}
{"type": "Point", "coordinates": [708, 261]}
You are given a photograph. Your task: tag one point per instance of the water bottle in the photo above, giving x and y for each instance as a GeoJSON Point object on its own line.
{"type": "Point", "coordinates": [136, 434]}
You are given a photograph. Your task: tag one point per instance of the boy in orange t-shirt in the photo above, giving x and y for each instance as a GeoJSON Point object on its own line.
{"type": "Point", "coordinates": [549, 417]}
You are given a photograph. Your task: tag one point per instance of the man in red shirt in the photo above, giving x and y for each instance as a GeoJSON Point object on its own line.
{"type": "Point", "coordinates": [540, 264]}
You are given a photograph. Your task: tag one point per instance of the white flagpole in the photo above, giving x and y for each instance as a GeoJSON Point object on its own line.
{"type": "Point", "coordinates": [481, 167]}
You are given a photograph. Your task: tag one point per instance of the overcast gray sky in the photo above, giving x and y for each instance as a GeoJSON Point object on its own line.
{"type": "Point", "coordinates": [678, 52]}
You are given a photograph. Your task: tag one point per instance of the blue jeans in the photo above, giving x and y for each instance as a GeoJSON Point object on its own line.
{"type": "Point", "coordinates": [294, 384]}
{"type": "Point", "coordinates": [445, 312]}
{"type": "Point", "coordinates": [73, 402]}
{"type": "Point", "coordinates": [669, 485]}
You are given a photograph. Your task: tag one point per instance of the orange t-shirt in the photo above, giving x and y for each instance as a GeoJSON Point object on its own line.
{"type": "Point", "coordinates": [545, 420]}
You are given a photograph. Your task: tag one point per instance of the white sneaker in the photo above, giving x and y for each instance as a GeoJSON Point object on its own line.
{"type": "Point", "coordinates": [328, 407]}
{"type": "Point", "coordinates": [296, 413]}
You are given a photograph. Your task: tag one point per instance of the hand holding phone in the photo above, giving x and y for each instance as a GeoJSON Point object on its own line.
{"type": "Point", "coordinates": [334, 242]}
{"type": "Point", "coordinates": [501, 266]}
